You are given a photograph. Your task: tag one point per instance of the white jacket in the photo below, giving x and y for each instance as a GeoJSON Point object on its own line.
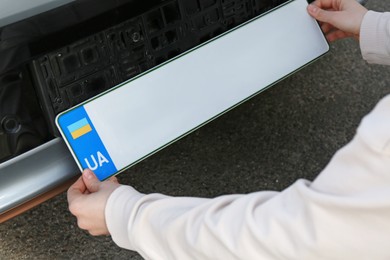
{"type": "Point", "coordinates": [343, 214]}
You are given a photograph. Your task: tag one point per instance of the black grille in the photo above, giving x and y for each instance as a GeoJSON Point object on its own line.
{"type": "Point", "coordinates": [76, 72]}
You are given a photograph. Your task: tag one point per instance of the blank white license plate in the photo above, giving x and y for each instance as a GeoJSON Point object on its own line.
{"type": "Point", "coordinates": [122, 126]}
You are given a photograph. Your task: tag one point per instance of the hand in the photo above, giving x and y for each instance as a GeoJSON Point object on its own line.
{"type": "Point", "coordinates": [339, 18]}
{"type": "Point", "coordinates": [87, 199]}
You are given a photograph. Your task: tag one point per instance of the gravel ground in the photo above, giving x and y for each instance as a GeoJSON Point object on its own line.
{"type": "Point", "coordinates": [288, 132]}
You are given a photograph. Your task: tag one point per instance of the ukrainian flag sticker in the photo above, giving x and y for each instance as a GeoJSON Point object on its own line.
{"type": "Point", "coordinates": [79, 128]}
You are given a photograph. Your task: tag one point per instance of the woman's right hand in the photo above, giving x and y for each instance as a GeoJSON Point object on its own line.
{"type": "Point", "coordinates": [339, 18]}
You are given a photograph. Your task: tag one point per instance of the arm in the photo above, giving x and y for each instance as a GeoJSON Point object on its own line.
{"type": "Point", "coordinates": [343, 214]}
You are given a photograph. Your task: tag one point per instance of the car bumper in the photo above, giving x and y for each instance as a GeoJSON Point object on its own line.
{"type": "Point", "coordinates": [34, 177]}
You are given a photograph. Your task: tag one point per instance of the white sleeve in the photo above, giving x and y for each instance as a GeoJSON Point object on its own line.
{"type": "Point", "coordinates": [343, 214]}
{"type": "Point", "coordinates": [375, 37]}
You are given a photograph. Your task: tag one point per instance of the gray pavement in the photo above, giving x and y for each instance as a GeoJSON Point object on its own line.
{"type": "Point", "coordinates": [288, 132]}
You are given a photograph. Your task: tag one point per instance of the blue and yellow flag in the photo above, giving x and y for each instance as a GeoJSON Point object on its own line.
{"type": "Point", "coordinates": [79, 128]}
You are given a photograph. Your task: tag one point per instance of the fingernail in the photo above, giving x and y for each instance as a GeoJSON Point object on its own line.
{"type": "Point", "coordinates": [313, 8]}
{"type": "Point", "coordinates": [87, 173]}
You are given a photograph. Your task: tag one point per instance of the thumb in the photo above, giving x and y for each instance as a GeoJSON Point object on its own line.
{"type": "Point", "coordinates": [320, 14]}
{"type": "Point", "coordinates": [91, 181]}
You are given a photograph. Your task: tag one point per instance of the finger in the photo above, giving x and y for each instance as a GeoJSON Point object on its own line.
{"type": "Point", "coordinates": [325, 4]}
{"type": "Point", "coordinates": [327, 28]}
{"type": "Point", "coordinates": [337, 35]}
{"type": "Point", "coordinates": [78, 188]}
{"type": "Point", "coordinates": [320, 14]}
{"type": "Point", "coordinates": [98, 232]}
{"type": "Point", "coordinates": [91, 181]}
{"type": "Point", "coordinates": [113, 179]}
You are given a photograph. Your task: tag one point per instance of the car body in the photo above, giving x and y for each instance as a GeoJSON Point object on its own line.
{"type": "Point", "coordinates": [55, 54]}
